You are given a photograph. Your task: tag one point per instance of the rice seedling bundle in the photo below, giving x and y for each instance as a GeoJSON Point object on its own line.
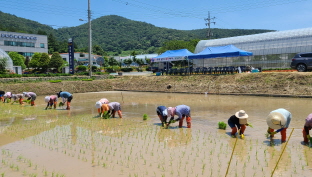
{"type": "Point", "coordinates": [26, 101]}
{"type": "Point", "coordinates": [106, 115]}
{"type": "Point", "coordinates": [61, 104]}
{"type": "Point", "coordinates": [222, 125]}
{"type": "Point", "coordinates": [145, 116]}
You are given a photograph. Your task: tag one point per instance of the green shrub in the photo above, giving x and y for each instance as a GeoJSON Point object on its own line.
{"type": "Point", "coordinates": [55, 81]}
{"type": "Point", "coordinates": [126, 69]}
{"type": "Point", "coordinates": [222, 125]}
{"type": "Point", "coordinates": [82, 68]}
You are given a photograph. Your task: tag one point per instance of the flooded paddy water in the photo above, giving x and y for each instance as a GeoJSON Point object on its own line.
{"type": "Point", "coordinates": [38, 142]}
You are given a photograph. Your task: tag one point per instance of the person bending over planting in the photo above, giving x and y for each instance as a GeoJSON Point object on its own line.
{"type": "Point", "coordinates": [18, 97]}
{"type": "Point", "coordinates": [7, 97]}
{"type": "Point", "coordinates": [162, 114]}
{"type": "Point", "coordinates": [66, 97]}
{"type": "Point", "coordinates": [307, 127]}
{"type": "Point", "coordinates": [115, 107]}
{"type": "Point", "coordinates": [1, 95]}
{"type": "Point", "coordinates": [51, 100]}
{"type": "Point", "coordinates": [279, 119]}
{"type": "Point", "coordinates": [99, 103]}
{"type": "Point", "coordinates": [30, 96]}
{"type": "Point", "coordinates": [238, 121]}
{"type": "Point", "coordinates": [181, 111]}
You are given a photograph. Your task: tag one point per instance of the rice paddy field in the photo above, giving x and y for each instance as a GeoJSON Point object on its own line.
{"type": "Point", "coordinates": [35, 142]}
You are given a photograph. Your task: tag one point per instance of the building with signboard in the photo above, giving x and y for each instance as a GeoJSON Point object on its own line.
{"type": "Point", "coordinates": [22, 43]}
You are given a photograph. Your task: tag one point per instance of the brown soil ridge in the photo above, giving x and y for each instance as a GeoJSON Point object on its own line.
{"type": "Point", "coordinates": [293, 84]}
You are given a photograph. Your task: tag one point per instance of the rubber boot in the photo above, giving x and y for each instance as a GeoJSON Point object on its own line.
{"type": "Point", "coordinates": [68, 105]}
{"type": "Point", "coordinates": [283, 134]}
{"type": "Point", "coordinates": [113, 113]}
{"type": "Point", "coordinates": [21, 101]}
{"type": "Point", "coordinates": [181, 122]}
{"type": "Point", "coordinates": [242, 129]}
{"type": "Point", "coordinates": [55, 103]}
{"type": "Point", "coordinates": [305, 138]}
{"type": "Point", "coordinates": [99, 110]}
{"type": "Point", "coordinates": [234, 130]}
{"type": "Point", "coordinates": [119, 113]}
{"type": "Point", "coordinates": [188, 122]}
{"type": "Point", "coordinates": [32, 103]}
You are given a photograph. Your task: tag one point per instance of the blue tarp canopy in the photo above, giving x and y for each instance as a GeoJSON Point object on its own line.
{"type": "Point", "coordinates": [220, 51]}
{"type": "Point", "coordinates": [172, 55]}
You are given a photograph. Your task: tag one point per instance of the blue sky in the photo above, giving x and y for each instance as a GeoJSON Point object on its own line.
{"type": "Point", "coordinates": [183, 15]}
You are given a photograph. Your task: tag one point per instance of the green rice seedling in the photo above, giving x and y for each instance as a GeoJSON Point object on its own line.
{"type": "Point", "coordinates": [222, 125]}
{"type": "Point", "coordinates": [250, 125]}
{"type": "Point", "coordinates": [26, 101]}
{"type": "Point", "coordinates": [145, 116]}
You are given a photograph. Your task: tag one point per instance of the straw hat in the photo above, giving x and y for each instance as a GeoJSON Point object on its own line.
{"type": "Point", "coordinates": [171, 111]}
{"type": "Point", "coordinates": [47, 99]}
{"type": "Point", "coordinates": [98, 104]}
{"type": "Point", "coordinates": [242, 116]}
{"type": "Point", "coordinates": [276, 120]}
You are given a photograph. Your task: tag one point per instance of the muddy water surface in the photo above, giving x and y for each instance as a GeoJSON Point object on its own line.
{"type": "Point", "coordinates": [38, 142]}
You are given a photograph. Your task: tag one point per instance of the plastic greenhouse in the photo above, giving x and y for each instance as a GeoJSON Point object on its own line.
{"type": "Point", "coordinates": [3, 54]}
{"type": "Point", "coordinates": [270, 50]}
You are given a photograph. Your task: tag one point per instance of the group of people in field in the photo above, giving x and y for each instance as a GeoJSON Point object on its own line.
{"type": "Point", "coordinates": [278, 120]}
{"type": "Point", "coordinates": [8, 97]}
{"type": "Point", "coordinates": [104, 105]}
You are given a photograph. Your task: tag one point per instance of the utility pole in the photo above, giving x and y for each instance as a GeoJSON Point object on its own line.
{"type": "Point", "coordinates": [209, 21]}
{"type": "Point", "coordinates": [90, 39]}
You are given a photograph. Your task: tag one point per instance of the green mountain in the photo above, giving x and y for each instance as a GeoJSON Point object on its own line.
{"type": "Point", "coordinates": [116, 34]}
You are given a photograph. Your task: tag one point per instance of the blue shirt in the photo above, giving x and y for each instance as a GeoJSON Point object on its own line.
{"type": "Point", "coordinates": [65, 94]}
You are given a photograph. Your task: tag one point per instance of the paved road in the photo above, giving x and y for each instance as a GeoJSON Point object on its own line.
{"type": "Point", "coordinates": [134, 73]}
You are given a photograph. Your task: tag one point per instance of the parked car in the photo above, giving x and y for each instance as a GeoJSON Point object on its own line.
{"type": "Point", "coordinates": [302, 62]}
{"type": "Point", "coordinates": [153, 69]}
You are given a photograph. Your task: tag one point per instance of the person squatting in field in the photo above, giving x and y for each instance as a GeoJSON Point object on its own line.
{"type": "Point", "coordinates": [66, 97]}
{"type": "Point", "coordinates": [99, 103]}
{"type": "Point", "coordinates": [279, 119]}
{"type": "Point", "coordinates": [238, 121]}
{"type": "Point", "coordinates": [162, 114]}
{"type": "Point", "coordinates": [31, 96]}
{"type": "Point", "coordinates": [115, 107]}
{"type": "Point", "coordinates": [51, 100]}
{"type": "Point", "coordinates": [307, 127]}
{"type": "Point", "coordinates": [181, 111]}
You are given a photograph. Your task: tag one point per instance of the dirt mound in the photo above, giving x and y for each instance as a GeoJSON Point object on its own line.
{"type": "Point", "coordinates": [293, 83]}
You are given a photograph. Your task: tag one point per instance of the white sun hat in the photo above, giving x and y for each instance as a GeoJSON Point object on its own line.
{"type": "Point", "coordinates": [275, 120]}
{"type": "Point", "coordinates": [47, 99]}
{"type": "Point", "coordinates": [98, 104]}
{"type": "Point", "coordinates": [242, 116]}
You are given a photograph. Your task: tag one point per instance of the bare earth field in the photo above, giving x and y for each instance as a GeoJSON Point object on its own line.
{"type": "Point", "coordinates": [266, 84]}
